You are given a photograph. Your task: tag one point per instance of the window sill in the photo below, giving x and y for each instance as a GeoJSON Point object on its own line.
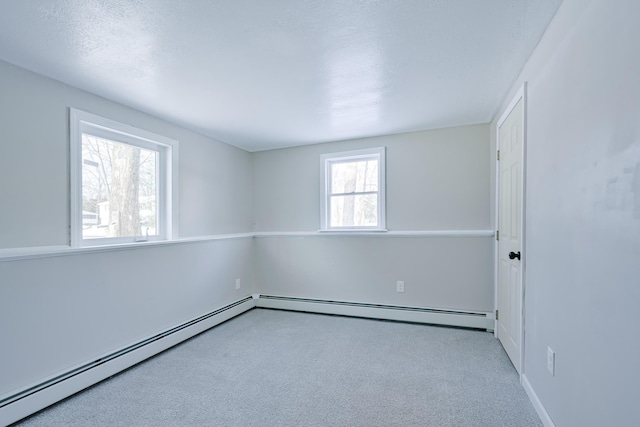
{"type": "Point", "coordinates": [354, 231]}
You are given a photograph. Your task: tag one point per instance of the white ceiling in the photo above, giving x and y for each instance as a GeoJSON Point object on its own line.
{"type": "Point", "coordinates": [269, 74]}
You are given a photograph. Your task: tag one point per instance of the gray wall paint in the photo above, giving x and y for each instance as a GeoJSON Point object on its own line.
{"type": "Point", "coordinates": [78, 307]}
{"type": "Point", "coordinates": [440, 272]}
{"type": "Point", "coordinates": [58, 312]}
{"type": "Point", "coordinates": [436, 180]}
{"type": "Point", "coordinates": [34, 164]}
{"type": "Point", "coordinates": [583, 214]}
{"type": "Point", "coordinates": [61, 311]}
{"type": "Point", "coordinates": [583, 225]}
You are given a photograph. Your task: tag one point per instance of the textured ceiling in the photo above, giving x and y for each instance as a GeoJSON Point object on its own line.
{"type": "Point", "coordinates": [269, 74]}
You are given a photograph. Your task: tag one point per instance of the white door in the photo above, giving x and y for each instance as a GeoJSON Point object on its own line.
{"type": "Point", "coordinates": [509, 297]}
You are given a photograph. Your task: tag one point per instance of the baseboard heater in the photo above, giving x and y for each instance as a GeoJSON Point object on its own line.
{"type": "Point", "coordinates": [35, 397]}
{"type": "Point", "coordinates": [435, 316]}
{"type": "Point", "coordinates": [38, 396]}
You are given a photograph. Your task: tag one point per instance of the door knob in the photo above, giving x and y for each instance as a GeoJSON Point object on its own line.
{"type": "Point", "coordinates": [513, 255]}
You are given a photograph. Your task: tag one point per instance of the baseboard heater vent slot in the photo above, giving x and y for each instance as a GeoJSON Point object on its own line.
{"type": "Point", "coordinates": [459, 318]}
{"type": "Point", "coordinates": [111, 356]}
{"type": "Point", "coordinates": [360, 304]}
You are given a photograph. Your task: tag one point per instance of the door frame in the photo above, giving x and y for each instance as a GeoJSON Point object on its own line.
{"type": "Point", "coordinates": [520, 95]}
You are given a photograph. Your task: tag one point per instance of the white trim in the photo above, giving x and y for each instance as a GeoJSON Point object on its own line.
{"type": "Point", "coordinates": [15, 254]}
{"type": "Point", "coordinates": [523, 222]}
{"type": "Point", "coordinates": [49, 394]}
{"type": "Point", "coordinates": [491, 322]}
{"type": "Point", "coordinates": [378, 233]}
{"type": "Point", "coordinates": [32, 403]}
{"type": "Point", "coordinates": [121, 128]}
{"type": "Point", "coordinates": [167, 174]}
{"type": "Point", "coordinates": [337, 231]}
{"type": "Point", "coordinates": [435, 316]}
{"type": "Point", "coordinates": [521, 94]}
{"type": "Point", "coordinates": [173, 210]}
{"type": "Point", "coordinates": [75, 178]}
{"type": "Point", "coordinates": [537, 404]}
{"type": "Point", "coordinates": [326, 160]}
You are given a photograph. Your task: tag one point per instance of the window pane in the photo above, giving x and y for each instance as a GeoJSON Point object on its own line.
{"type": "Point", "coordinates": [350, 177]}
{"type": "Point", "coordinates": [354, 211]}
{"type": "Point", "coordinates": [119, 189]}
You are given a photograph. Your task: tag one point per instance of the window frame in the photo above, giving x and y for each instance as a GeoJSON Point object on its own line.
{"type": "Point", "coordinates": [167, 172]}
{"type": "Point", "coordinates": [328, 159]}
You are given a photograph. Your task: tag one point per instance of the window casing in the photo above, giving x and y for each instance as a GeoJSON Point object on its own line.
{"type": "Point", "coordinates": [353, 191]}
{"type": "Point", "coordinates": [123, 186]}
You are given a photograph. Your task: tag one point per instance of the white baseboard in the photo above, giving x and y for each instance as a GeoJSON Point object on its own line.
{"type": "Point", "coordinates": [466, 319]}
{"type": "Point", "coordinates": [537, 404]}
{"type": "Point", "coordinates": [37, 397]}
{"type": "Point", "coordinates": [24, 402]}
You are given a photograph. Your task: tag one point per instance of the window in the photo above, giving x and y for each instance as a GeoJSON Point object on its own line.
{"type": "Point", "coordinates": [122, 186]}
{"type": "Point", "coordinates": [353, 190]}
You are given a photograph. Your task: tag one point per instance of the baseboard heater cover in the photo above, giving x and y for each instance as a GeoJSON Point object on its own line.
{"type": "Point", "coordinates": [436, 316]}
{"type": "Point", "coordinates": [38, 396]}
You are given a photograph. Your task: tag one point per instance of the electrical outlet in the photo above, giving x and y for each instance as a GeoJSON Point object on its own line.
{"type": "Point", "coordinates": [237, 283]}
{"type": "Point", "coordinates": [551, 361]}
{"type": "Point", "coordinates": [400, 286]}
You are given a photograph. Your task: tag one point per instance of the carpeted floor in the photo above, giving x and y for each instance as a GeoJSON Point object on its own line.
{"type": "Point", "coordinates": [278, 368]}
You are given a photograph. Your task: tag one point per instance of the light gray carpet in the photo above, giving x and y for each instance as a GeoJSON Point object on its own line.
{"type": "Point", "coordinates": [278, 368]}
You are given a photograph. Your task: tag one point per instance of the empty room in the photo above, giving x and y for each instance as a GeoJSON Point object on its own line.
{"type": "Point", "coordinates": [320, 213]}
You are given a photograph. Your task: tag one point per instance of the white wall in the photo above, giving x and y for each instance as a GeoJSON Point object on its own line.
{"type": "Point", "coordinates": [583, 225]}
{"type": "Point", "coordinates": [34, 164]}
{"type": "Point", "coordinates": [440, 272]}
{"type": "Point", "coordinates": [63, 310]}
{"type": "Point", "coordinates": [582, 274]}
{"type": "Point", "coordinates": [58, 312]}
{"type": "Point", "coordinates": [436, 180]}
